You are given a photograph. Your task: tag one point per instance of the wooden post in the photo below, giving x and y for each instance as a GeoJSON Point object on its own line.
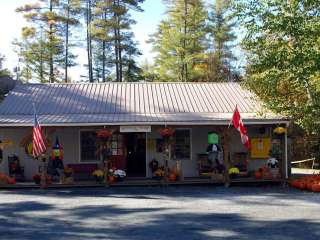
{"type": "Point", "coordinates": [226, 140]}
{"type": "Point", "coordinates": [167, 158]}
{"type": "Point", "coordinates": [106, 172]}
{"type": "Point", "coordinates": [43, 180]}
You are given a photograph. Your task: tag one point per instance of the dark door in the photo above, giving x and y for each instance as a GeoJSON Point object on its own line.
{"type": "Point", "coordinates": [136, 154]}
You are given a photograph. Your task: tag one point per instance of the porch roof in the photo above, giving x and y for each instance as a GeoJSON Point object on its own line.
{"type": "Point", "coordinates": [132, 103]}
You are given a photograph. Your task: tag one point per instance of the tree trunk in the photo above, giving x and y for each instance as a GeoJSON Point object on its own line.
{"type": "Point", "coordinates": [116, 44]}
{"type": "Point", "coordinates": [41, 57]}
{"type": "Point", "coordinates": [51, 75]}
{"type": "Point", "coordinates": [116, 53]}
{"type": "Point", "coordinates": [119, 45]}
{"type": "Point", "coordinates": [185, 41]}
{"type": "Point", "coordinates": [120, 57]}
{"type": "Point", "coordinates": [89, 42]}
{"type": "Point", "coordinates": [67, 43]}
{"type": "Point", "coordinates": [104, 54]}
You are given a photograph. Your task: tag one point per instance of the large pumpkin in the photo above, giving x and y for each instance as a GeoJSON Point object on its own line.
{"type": "Point", "coordinates": [309, 185]}
{"type": "Point", "coordinates": [295, 183]}
{"type": "Point", "coordinates": [111, 179]}
{"type": "Point", "coordinates": [316, 187]}
{"type": "Point", "coordinates": [258, 174]}
{"type": "Point", "coordinates": [172, 177]}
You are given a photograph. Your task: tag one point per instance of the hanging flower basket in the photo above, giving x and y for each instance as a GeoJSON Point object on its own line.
{"type": "Point", "coordinates": [166, 132]}
{"type": "Point", "coordinates": [279, 130]}
{"type": "Point", "coordinates": [104, 133]}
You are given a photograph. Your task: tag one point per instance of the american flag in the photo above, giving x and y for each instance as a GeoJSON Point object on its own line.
{"type": "Point", "coordinates": [38, 141]}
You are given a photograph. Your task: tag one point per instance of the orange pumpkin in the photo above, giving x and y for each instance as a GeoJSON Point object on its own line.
{"type": "Point", "coordinates": [309, 185]}
{"type": "Point", "coordinates": [316, 187]}
{"type": "Point", "coordinates": [295, 183]}
{"type": "Point", "coordinates": [258, 174]}
{"type": "Point", "coordinates": [172, 177]}
{"type": "Point", "coordinates": [111, 179]}
{"type": "Point", "coordinates": [11, 181]}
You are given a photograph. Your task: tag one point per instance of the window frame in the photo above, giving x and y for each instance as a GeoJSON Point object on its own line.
{"type": "Point", "coordinates": [98, 160]}
{"type": "Point", "coordinates": [190, 133]}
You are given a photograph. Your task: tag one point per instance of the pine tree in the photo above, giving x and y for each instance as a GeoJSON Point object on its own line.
{"type": "Point", "coordinates": [42, 36]}
{"type": "Point", "coordinates": [3, 71]}
{"type": "Point", "coordinates": [70, 10]}
{"type": "Point", "coordinates": [180, 41]}
{"type": "Point", "coordinates": [221, 29]}
{"type": "Point", "coordinates": [111, 28]}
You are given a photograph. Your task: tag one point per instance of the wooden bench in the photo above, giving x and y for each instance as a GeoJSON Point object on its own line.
{"type": "Point", "coordinates": [83, 171]}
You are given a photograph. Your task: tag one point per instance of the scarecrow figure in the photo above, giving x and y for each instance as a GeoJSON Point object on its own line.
{"type": "Point", "coordinates": [55, 165]}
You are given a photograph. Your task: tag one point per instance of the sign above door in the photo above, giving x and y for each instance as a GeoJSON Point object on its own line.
{"type": "Point", "coordinates": [130, 129]}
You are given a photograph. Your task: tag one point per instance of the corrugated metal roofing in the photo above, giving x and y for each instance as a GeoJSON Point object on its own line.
{"type": "Point", "coordinates": [129, 103]}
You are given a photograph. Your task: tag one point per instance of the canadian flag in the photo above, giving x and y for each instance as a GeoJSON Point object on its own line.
{"type": "Point", "coordinates": [238, 124]}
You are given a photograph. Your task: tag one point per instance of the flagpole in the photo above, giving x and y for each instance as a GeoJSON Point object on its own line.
{"type": "Point", "coordinates": [43, 183]}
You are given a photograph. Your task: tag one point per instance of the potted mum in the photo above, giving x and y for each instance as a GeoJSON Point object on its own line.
{"type": "Point", "coordinates": [233, 172]}
{"type": "Point", "coordinates": [36, 178]}
{"type": "Point", "coordinates": [98, 175]}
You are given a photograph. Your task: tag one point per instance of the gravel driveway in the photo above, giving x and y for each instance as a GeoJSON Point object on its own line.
{"type": "Point", "coordinates": [160, 213]}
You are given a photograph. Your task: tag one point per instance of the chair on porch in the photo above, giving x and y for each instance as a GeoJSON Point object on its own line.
{"type": "Point", "coordinates": [205, 167]}
{"type": "Point", "coordinates": [15, 169]}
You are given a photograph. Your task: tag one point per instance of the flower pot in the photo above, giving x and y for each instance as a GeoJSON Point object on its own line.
{"type": "Point", "coordinates": [67, 174]}
{"type": "Point", "coordinates": [98, 178]}
{"type": "Point", "coordinates": [233, 175]}
{"type": "Point", "coordinates": [37, 181]}
{"type": "Point", "coordinates": [157, 178]}
{"type": "Point", "coordinates": [111, 179]}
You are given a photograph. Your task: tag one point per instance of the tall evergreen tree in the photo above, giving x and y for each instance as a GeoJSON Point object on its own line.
{"type": "Point", "coordinates": [180, 41]}
{"type": "Point", "coordinates": [42, 34]}
{"type": "Point", "coordinates": [3, 71]}
{"type": "Point", "coordinates": [222, 20]}
{"type": "Point", "coordinates": [70, 10]}
{"type": "Point", "coordinates": [112, 29]}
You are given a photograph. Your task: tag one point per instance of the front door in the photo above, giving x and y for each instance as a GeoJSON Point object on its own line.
{"type": "Point", "coordinates": [136, 154]}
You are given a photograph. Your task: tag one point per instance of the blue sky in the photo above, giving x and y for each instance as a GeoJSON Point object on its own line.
{"type": "Point", "coordinates": [12, 22]}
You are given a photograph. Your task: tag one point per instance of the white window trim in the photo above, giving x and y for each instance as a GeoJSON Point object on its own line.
{"type": "Point", "coordinates": [79, 140]}
{"type": "Point", "coordinates": [190, 157]}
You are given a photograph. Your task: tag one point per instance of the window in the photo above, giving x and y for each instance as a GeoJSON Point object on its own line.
{"type": "Point", "coordinates": [117, 145]}
{"type": "Point", "coordinates": [182, 144]}
{"type": "Point", "coordinates": [88, 146]}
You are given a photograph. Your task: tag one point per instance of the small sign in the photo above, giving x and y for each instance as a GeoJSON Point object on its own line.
{"type": "Point", "coordinates": [130, 129]}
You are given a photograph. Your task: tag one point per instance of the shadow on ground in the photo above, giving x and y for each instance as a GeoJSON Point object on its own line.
{"type": "Point", "coordinates": [36, 219]}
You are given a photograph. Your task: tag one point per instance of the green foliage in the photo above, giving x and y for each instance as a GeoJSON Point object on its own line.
{"type": "Point", "coordinates": [111, 29]}
{"type": "Point", "coordinates": [180, 41]}
{"type": "Point", "coordinates": [3, 71]}
{"type": "Point", "coordinates": [283, 46]}
{"type": "Point", "coordinates": [43, 45]}
{"type": "Point", "coordinates": [222, 36]}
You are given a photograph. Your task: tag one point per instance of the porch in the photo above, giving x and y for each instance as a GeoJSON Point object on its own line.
{"type": "Point", "coordinates": [133, 152]}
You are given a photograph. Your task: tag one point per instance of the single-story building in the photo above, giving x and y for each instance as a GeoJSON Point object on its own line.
{"type": "Point", "coordinates": [136, 112]}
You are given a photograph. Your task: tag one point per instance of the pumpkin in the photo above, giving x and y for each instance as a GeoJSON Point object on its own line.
{"type": "Point", "coordinates": [258, 174]}
{"type": "Point", "coordinates": [295, 183]}
{"type": "Point", "coordinates": [172, 177]}
{"type": "Point", "coordinates": [111, 179]}
{"type": "Point", "coordinates": [303, 185]}
{"type": "Point", "coordinates": [316, 187]}
{"type": "Point", "coordinates": [309, 185]}
{"type": "Point", "coordinates": [11, 181]}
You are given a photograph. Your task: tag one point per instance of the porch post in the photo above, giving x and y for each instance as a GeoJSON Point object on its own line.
{"type": "Point", "coordinates": [286, 153]}
{"type": "Point", "coordinates": [226, 139]}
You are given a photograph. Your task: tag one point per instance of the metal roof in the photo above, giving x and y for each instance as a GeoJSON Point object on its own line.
{"type": "Point", "coordinates": [131, 103]}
